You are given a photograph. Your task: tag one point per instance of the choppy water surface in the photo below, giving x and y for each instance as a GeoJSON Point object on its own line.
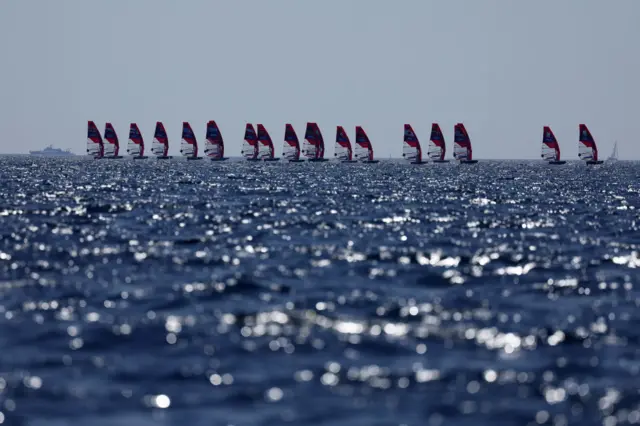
{"type": "Point", "coordinates": [175, 293]}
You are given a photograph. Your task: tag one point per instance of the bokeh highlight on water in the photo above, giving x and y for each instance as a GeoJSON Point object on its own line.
{"type": "Point", "coordinates": [171, 293]}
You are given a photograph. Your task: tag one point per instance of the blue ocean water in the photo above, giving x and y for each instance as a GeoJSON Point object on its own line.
{"type": "Point", "coordinates": [191, 293]}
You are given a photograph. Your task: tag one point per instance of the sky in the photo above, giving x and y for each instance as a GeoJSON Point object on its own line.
{"type": "Point", "coordinates": [505, 68]}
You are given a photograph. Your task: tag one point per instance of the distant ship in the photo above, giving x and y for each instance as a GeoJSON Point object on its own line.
{"type": "Point", "coordinates": [50, 151]}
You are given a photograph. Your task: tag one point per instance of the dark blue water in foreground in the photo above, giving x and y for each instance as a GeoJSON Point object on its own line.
{"type": "Point", "coordinates": [191, 293]}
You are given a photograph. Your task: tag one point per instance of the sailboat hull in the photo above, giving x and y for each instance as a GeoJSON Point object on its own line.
{"type": "Point", "coordinates": [118, 157]}
{"type": "Point", "coordinates": [557, 163]}
{"type": "Point", "coordinates": [442, 161]}
{"type": "Point", "coordinates": [253, 159]}
{"type": "Point", "coordinates": [220, 159]}
{"type": "Point", "coordinates": [140, 157]}
{"type": "Point", "coordinates": [349, 161]}
{"type": "Point", "coordinates": [194, 158]}
{"type": "Point", "coordinates": [296, 161]}
{"type": "Point", "coordinates": [594, 162]}
{"type": "Point", "coordinates": [271, 159]}
{"type": "Point", "coordinates": [318, 160]}
{"type": "Point", "coordinates": [468, 161]}
{"type": "Point", "coordinates": [419, 162]}
{"type": "Point", "coordinates": [371, 161]}
{"type": "Point", "coordinates": [163, 157]}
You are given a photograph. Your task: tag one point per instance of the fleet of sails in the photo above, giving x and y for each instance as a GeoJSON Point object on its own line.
{"type": "Point", "coordinates": [258, 145]}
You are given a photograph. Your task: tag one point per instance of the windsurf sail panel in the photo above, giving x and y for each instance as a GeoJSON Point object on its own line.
{"type": "Point", "coordinates": [411, 149]}
{"type": "Point", "coordinates": [291, 148]}
{"type": "Point", "coordinates": [214, 144]}
{"type": "Point", "coordinates": [343, 145]}
{"type": "Point", "coordinates": [95, 146]}
{"type": "Point", "coordinates": [266, 144]}
{"type": "Point", "coordinates": [112, 147]}
{"type": "Point", "coordinates": [313, 142]}
{"type": "Point", "coordinates": [160, 144]}
{"type": "Point", "coordinates": [462, 143]}
{"type": "Point", "coordinates": [587, 149]}
{"type": "Point", "coordinates": [550, 146]}
{"type": "Point", "coordinates": [135, 146]}
{"type": "Point", "coordinates": [250, 145]}
{"type": "Point", "coordinates": [364, 150]}
{"type": "Point", "coordinates": [437, 146]}
{"type": "Point", "coordinates": [189, 144]}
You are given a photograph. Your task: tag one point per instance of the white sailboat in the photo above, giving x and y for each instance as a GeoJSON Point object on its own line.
{"type": "Point", "coordinates": [614, 154]}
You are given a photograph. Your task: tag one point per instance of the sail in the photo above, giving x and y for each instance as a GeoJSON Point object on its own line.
{"type": "Point", "coordinates": [135, 146]}
{"type": "Point", "coordinates": [189, 143]}
{"type": "Point", "coordinates": [343, 145]}
{"type": "Point", "coordinates": [214, 144]}
{"type": "Point", "coordinates": [250, 145]}
{"type": "Point", "coordinates": [364, 150]}
{"type": "Point", "coordinates": [265, 143]}
{"type": "Point", "coordinates": [437, 146]}
{"type": "Point", "coordinates": [614, 153]}
{"type": "Point", "coordinates": [112, 145]}
{"type": "Point", "coordinates": [550, 146]}
{"type": "Point", "coordinates": [411, 149]}
{"type": "Point", "coordinates": [587, 149]}
{"type": "Point", "coordinates": [160, 145]}
{"type": "Point", "coordinates": [95, 147]}
{"type": "Point", "coordinates": [461, 143]}
{"type": "Point", "coordinates": [313, 142]}
{"type": "Point", "coordinates": [291, 148]}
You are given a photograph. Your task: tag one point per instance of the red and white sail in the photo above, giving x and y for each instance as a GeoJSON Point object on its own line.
{"type": "Point", "coordinates": [462, 143]}
{"type": "Point", "coordinates": [214, 144]}
{"type": "Point", "coordinates": [343, 150]}
{"type": "Point", "coordinates": [250, 144]}
{"type": "Point", "coordinates": [313, 142]}
{"type": "Point", "coordinates": [437, 146]}
{"type": "Point", "coordinates": [189, 143]}
{"type": "Point", "coordinates": [95, 146]}
{"type": "Point", "coordinates": [550, 146]}
{"type": "Point", "coordinates": [160, 144]}
{"type": "Point", "coordinates": [364, 149]}
{"type": "Point", "coordinates": [112, 145]}
{"type": "Point", "coordinates": [291, 148]}
{"type": "Point", "coordinates": [135, 146]}
{"type": "Point", "coordinates": [411, 149]}
{"type": "Point", "coordinates": [587, 148]}
{"type": "Point", "coordinates": [266, 149]}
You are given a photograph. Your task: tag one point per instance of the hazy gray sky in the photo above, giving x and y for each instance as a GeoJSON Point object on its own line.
{"type": "Point", "coordinates": [503, 67]}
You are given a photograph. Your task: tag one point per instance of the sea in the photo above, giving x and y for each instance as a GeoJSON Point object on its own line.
{"type": "Point", "coordinates": [318, 294]}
